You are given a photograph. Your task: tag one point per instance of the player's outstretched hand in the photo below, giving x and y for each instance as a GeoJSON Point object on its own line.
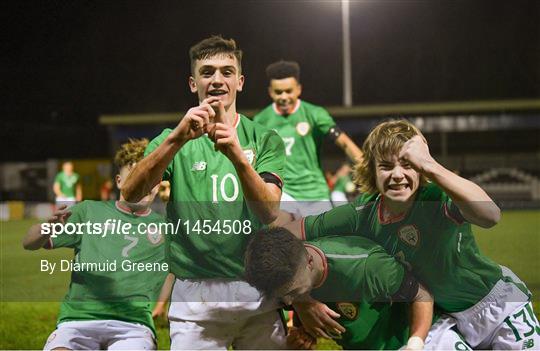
{"type": "Point", "coordinates": [61, 215]}
{"type": "Point", "coordinates": [299, 339]}
{"type": "Point", "coordinates": [416, 152]}
{"type": "Point", "coordinates": [318, 319]}
{"type": "Point", "coordinates": [224, 135]}
{"type": "Point", "coordinates": [196, 121]}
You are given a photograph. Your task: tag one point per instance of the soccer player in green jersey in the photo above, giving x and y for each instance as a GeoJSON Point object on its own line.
{"type": "Point", "coordinates": [303, 127]}
{"type": "Point", "coordinates": [67, 187]}
{"type": "Point", "coordinates": [364, 283]}
{"type": "Point", "coordinates": [427, 225]}
{"type": "Point", "coordinates": [225, 175]}
{"type": "Point", "coordinates": [116, 276]}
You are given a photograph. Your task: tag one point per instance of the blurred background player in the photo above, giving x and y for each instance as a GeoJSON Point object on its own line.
{"type": "Point", "coordinates": [224, 171]}
{"type": "Point", "coordinates": [303, 127]}
{"type": "Point", "coordinates": [67, 187]}
{"type": "Point", "coordinates": [343, 188]}
{"type": "Point", "coordinates": [107, 309]}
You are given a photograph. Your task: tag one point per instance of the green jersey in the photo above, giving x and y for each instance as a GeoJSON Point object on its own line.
{"type": "Point", "coordinates": [67, 183]}
{"type": "Point", "coordinates": [107, 279]}
{"type": "Point", "coordinates": [359, 280]}
{"type": "Point", "coordinates": [303, 132]}
{"type": "Point", "coordinates": [432, 238]}
{"type": "Point", "coordinates": [207, 206]}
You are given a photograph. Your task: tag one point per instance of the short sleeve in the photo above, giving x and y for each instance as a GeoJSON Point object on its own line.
{"type": "Point", "coordinates": [342, 220]}
{"type": "Point", "coordinates": [323, 120]}
{"type": "Point", "coordinates": [57, 178]}
{"type": "Point", "coordinates": [383, 276]}
{"type": "Point", "coordinates": [451, 211]}
{"type": "Point", "coordinates": [70, 240]}
{"type": "Point", "coordinates": [152, 145]}
{"type": "Point", "coordinates": [271, 154]}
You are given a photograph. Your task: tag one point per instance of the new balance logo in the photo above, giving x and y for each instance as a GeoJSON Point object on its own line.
{"type": "Point", "coordinates": [199, 166]}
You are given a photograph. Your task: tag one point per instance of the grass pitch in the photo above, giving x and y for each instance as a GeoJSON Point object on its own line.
{"type": "Point", "coordinates": [514, 242]}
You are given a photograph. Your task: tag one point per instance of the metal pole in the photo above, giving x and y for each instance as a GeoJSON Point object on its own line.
{"type": "Point", "coordinates": [347, 79]}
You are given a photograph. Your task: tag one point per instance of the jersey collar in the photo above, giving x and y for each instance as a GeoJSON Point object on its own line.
{"type": "Point", "coordinates": [296, 107]}
{"type": "Point", "coordinates": [236, 121]}
{"type": "Point", "coordinates": [393, 219]}
{"type": "Point", "coordinates": [325, 264]}
{"type": "Point", "coordinates": [123, 208]}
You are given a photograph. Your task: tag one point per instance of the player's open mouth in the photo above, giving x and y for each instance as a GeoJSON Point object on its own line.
{"type": "Point", "coordinates": [398, 187]}
{"type": "Point", "coordinates": [217, 92]}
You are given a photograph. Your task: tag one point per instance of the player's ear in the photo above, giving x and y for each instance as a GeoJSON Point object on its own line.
{"type": "Point", "coordinates": [240, 83]}
{"type": "Point", "coordinates": [192, 84]}
{"type": "Point", "coordinates": [270, 91]}
{"type": "Point", "coordinates": [118, 180]}
{"type": "Point", "coordinates": [299, 89]}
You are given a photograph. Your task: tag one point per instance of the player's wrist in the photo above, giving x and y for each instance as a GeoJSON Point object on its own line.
{"type": "Point", "coordinates": [177, 138]}
{"type": "Point", "coordinates": [415, 343]}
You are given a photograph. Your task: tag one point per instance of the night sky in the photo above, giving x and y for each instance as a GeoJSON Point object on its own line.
{"type": "Point", "coordinates": [67, 62]}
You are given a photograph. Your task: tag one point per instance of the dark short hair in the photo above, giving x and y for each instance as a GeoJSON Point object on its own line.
{"type": "Point", "coordinates": [213, 46]}
{"type": "Point", "coordinates": [272, 259]}
{"type": "Point", "coordinates": [283, 69]}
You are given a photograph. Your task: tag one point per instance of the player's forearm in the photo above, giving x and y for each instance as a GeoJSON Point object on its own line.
{"type": "Point", "coordinates": [149, 171]}
{"type": "Point", "coordinates": [56, 189]}
{"type": "Point", "coordinates": [34, 240]}
{"type": "Point", "coordinates": [262, 198]}
{"type": "Point", "coordinates": [473, 202]}
{"type": "Point", "coordinates": [421, 314]}
{"type": "Point", "coordinates": [78, 191]}
{"type": "Point", "coordinates": [349, 147]}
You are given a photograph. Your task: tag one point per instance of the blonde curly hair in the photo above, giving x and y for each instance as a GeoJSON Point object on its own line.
{"type": "Point", "coordinates": [130, 152]}
{"type": "Point", "coordinates": [384, 140]}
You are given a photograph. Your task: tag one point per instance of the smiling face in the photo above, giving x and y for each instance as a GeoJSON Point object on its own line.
{"type": "Point", "coordinates": [396, 180]}
{"type": "Point", "coordinates": [285, 93]}
{"type": "Point", "coordinates": [218, 76]}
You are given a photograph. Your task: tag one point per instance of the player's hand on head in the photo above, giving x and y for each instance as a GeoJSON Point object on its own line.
{"type": "Point", "coordinates": [299, 339]}
{"type": "Point", "coordinates": [318, 319]}
{"type": "Point", "coordinates": [415, 152]}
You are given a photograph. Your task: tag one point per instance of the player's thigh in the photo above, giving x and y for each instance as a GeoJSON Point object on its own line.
{"type": "Point", "coordinates": [129, 336]}
{"type": "Point", "coordinates": [135, 343]}
{"type": "Point", "coordinates": [72, 336]}
{"type": "Point", "coordinates": [447, 340]}
{"type": "Point", "coordinates": [200, 335]}
{"type": "Point", "coordinates": [265, 331]}
{"type": "Point", "coordinates": [519, 331]}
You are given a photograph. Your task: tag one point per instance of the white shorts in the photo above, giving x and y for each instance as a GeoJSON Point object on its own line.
{"type": "Point", "coordinates": [442, 336]}
{"type": "Point", "coordinates": [303, 208]}
{"type": "Point", "coordinates": [485, 324]}
{"type": "Point", "coordinates": [101, 335]}
{"type": "Point", "coordinates": [63, 200]}
{"type": "Point", "coordinates": [214, 314]}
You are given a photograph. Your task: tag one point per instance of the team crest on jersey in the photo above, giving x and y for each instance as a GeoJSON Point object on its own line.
{"type": "Point", "coordinates": [154, 235]}
{"type": "Point", "coordinates": [409, 234]}
{"type": "Point", "coordinates": [302, 128]}
{"type": "Point", "coordinates": [347, 310]}
{"type": "Point", "coordinates": [199, 166]}
{"type": "Point", "coordinates": [250, 155]}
